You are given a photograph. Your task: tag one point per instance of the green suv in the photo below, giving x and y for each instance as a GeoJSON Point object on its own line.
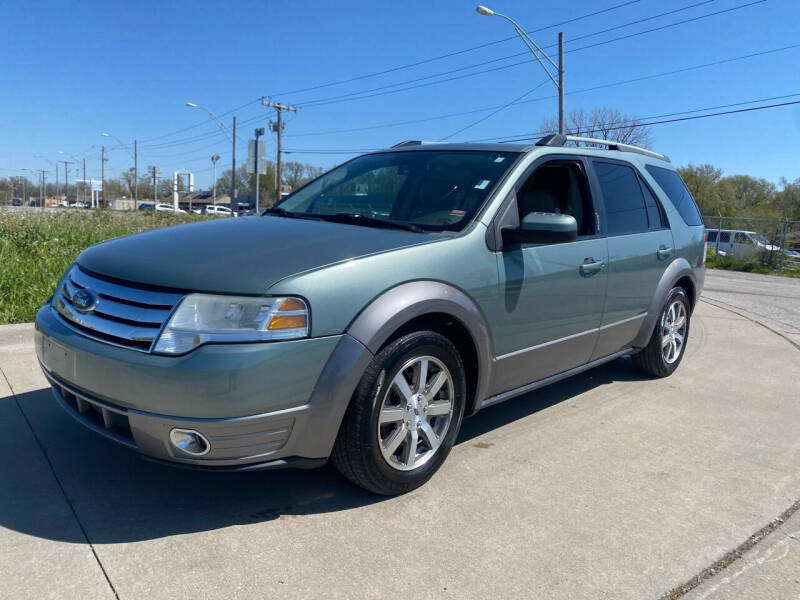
{"type": "Point", "coordinates": [369, 312]}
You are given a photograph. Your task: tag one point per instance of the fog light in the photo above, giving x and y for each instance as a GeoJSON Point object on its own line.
{"type": "Point", "coordinates": [189, 441]}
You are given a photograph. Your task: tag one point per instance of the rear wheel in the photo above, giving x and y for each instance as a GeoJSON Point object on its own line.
{"type": "Point", "coordinates": [667, 344]}
{"type": "Point", "coordinates": [404, 416]}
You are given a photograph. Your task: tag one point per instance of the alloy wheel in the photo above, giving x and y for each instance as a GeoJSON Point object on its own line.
{"type": "Point", "coordinates": [673, 331]}
{"type": "Point", "coordinates": [415, 412]}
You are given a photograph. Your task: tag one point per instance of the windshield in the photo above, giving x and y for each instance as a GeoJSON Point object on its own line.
{"type": "Point", "coordinates": [429, 189]}
{"type": "Point", "coordinates": [758, 238]}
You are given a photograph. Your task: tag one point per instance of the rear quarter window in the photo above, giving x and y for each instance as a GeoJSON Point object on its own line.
{"type": "Point", "coordinates": [675, 189]}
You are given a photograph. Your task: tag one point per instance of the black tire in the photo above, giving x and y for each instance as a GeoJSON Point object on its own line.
{"type": "Point", "coordinates": [651, 359]}
{"type": "Point", "coordinates": [356, 453]}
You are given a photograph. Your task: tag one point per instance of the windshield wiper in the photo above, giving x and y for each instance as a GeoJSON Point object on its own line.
{"type": "Point", "coordinates": [282, 212]}
{"type": "Point", "coordinates": [359, 219]}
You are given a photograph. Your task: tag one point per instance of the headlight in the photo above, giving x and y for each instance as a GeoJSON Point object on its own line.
{"type": "Point", "coordinates": [202, 318]}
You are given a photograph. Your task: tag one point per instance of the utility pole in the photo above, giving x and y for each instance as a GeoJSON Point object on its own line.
{"type": "Point", "coordinates": [58, 191]}
{"type": "Point", "coordinates": [562, 125]}
{"type": "Point", "coordinates": [66, 180]}
{"type": "Point", "coordinates": [135, 175]}
{"type": "Point", "coordinates": [258, 133]}
{"type": "Point", "coordinates": [234, 202]}
{"type": "Point", "coordinates": [278, 129]}
{"type": "Point", "coordinates": [83, 196]}
{"type": "Point", "coordinates": [214, 160]}
{"type": "Point", "coordinates": [43, 194]}
{"type": "Point", "coordinates": [103, 171]}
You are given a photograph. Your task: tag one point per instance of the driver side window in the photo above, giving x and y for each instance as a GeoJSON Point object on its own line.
{"type": "Point", "coordinates": [558, 187]}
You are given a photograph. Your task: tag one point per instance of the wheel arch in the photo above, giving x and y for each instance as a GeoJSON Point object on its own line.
{"type": "Point", "coordinates": [678, 273]}
{"type": "Point", "coordinates": [436, 306]}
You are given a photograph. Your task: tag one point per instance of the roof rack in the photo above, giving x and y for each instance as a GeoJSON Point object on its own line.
{"type": "Point", "coordinates": [561, 140]}
{"type": "Point", "coordinates": [411, 143]}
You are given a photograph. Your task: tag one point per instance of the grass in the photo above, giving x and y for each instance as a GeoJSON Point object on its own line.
{"type": "Point", "coordinates": [753, 265]}
{"type": "Point", "coordinates": [37, 247]}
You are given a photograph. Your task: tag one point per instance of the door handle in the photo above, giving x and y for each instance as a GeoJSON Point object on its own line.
{"type": "Point", "coordinates": [591, 266]}
{"type": "Point", "coordinates": [663, 252]}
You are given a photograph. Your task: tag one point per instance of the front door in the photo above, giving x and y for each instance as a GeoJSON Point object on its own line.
{"type": "Point", "coordinates": [550, 297]}
{"type": "Point", "coordinates": [640, 247]}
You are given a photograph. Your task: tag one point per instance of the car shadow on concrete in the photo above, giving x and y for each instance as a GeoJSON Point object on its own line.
{"type": "Point", "coordinates": [119, 497]}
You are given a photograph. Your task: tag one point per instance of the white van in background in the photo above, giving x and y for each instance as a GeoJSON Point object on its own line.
{"type": "Point", "coordinates": [738, 243]}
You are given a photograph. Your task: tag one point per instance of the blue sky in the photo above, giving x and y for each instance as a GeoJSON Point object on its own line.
{"type": "Point", "coordinates": [73, 70]}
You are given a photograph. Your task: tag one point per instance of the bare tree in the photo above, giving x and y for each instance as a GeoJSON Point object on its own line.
{"type": "Point", "coordinates": [606, 123]}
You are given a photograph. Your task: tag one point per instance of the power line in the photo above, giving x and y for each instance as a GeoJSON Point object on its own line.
{"type": "Point", "coordinates": [386, 89]}
{"type": "Point", "coordinates": [454, 53]}
{"type": "Point", "coordinates": [680, 119]}
{"type": "Point", "coordinates": [640, 120]}
{"type": "Point", "coordinates": [406, 66]}
{"type": "Point", "coordinates": [606, 126]}
{"type": "Point", "coordinates": [382, 89]}
{"type": "Point", "coordinates": [493, 113]}
{"type": "Point", "coordinates": [215, 134]}
{"type": "Point", "coordinates": [601, 86]}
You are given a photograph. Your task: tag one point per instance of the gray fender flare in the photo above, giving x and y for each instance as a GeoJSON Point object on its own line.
{"type": "Point", "coordinates": [677, 269]}
{"type": "Point", "coordinates": [399, 305]}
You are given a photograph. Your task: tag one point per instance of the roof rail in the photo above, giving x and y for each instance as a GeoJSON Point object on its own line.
{"type": "Point", "coordinates": [410, 143]}
{"type": "Point", "coordinates": [561, 140]}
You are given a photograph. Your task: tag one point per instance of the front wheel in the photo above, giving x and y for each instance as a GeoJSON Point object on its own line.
{"type": "Point", "coordinates": [404, 416]}
{"type": "Point", "coordinates": [667, 344]}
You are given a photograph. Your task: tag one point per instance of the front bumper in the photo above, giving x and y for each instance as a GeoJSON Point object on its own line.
{"type": "Point", "coordinates": [259, 405]}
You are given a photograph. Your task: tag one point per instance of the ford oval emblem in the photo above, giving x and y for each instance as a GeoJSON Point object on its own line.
{"type": "Point", "coordinates": [85, 300]}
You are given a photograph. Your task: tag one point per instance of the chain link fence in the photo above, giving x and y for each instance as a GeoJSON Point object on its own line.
{"type": "Point", "coordinates": [753, 244]}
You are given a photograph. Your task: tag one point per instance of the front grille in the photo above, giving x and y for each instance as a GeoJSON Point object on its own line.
{"type": "Point", "coordinates": [124, 315]}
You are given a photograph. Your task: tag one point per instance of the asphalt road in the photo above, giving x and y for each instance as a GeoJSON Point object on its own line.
{"type": "Point", "coordinates": [771, 296]}
{"type": "Point", "coordinates": [607, 485]}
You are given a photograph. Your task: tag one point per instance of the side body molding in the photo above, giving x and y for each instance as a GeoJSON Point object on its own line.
{"type": "Point", "coordinates": [677, 269]}
{"type": "Point", "coordinates": [399, 305]}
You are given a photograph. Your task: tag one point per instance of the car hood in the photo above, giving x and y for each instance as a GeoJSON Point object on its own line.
{"type": "Point", "coordinates": [239, 256]}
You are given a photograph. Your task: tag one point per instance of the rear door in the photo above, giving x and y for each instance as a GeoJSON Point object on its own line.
{"type": "Point", "coordinates": [640, 247]}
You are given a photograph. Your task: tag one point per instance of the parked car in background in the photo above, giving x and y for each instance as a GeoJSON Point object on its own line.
{"type": "Point", "coordinates": [16, 202]}
{"type": "Point", "coordinates": [160, 207]}
{"type": "Point", "coordinates": [146, 206]}
{"type": "Point", "coordinates": [379, 305]}
{"type": "Point", "coordinates": [218, 211]}
{"type": "Point", "coordinates": [739, 243]}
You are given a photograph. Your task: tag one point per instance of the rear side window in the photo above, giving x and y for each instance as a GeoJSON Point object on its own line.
{"type": "Point", "coordinates": [725, 237]}
{"type": "Point", "coordinates": [622, 195]}
{"type": "Point", "coordinates": [654, 214]}
{"type": "Point", "coordinates": [677, 192]}
{"type": "Point", "coordinates": [712, 236]}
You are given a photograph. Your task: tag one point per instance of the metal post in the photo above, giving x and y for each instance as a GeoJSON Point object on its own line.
{"type": "Point", "coordinates": [214, 160]}
{"type": "Point", "coordinates": [278, 165]}
{"type": "Point", "coordinates": [258, 133]}
{"type": "Point", "coordinates": [234, 203]}
{"type": "Point", "coordinates": [103, 171]}
{"type": "Point", "coordinates": [83, 196]}
{"type": "Point", "coordinates": [135, 175]}
{"type": "Point", "coordinates": [562, 128]}
{"type": "Point", "coordinates": [58, 191]}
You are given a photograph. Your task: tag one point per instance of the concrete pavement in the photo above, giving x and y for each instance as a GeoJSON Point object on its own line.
{"type": "Point", "coordinates": [770, 296]}
{"type": "Point", "coordinates": [605, 485]}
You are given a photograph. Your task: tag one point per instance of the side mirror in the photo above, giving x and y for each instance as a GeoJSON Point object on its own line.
{"type": "Point", "coordinates": [543, 228]}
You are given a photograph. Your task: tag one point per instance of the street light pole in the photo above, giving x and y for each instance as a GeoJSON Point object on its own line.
{"type": "Point", "coordinates": [214, 160]}
{"type": "Point", "coordinates": [103, 172]}
{"type": "Point", "coordinates": [258, 133]}
{"type": "Point", "coordinates": [232, 137]}
{"type": "Point", "coordinates": [538, 54]}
